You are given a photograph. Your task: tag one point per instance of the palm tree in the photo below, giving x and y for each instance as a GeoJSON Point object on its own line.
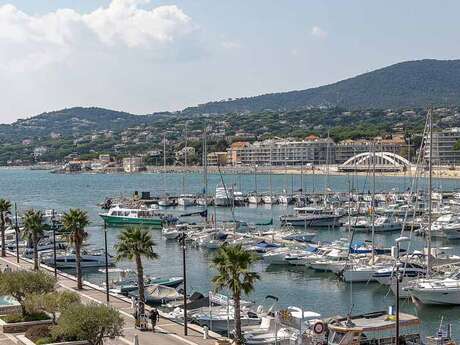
{"type": "Point", "coordinates": [233, 263]}
{"type": "Point", "coordinates": [5, 211]}
{"type": "Point", "coordinates": [133, 244]}
{"type": "Point", "coordinates": [33, 230]}
{"type": "Point", "coordinates": [74, 222]}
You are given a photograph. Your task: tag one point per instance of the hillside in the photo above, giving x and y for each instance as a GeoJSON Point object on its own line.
{"type": "Point", "coordinates": [407, 84]}
{"type": "Point", "coordinates": [72, 121]}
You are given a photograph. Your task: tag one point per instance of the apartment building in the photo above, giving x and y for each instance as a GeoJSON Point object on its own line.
{"type": "Point", "coordinates": [443, 147]}
{"type": "Point", "coordinates": [283, 152]}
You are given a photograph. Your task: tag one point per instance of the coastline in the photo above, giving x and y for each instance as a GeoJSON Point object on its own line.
{"type": "Point", "coordinates": [440, 172]}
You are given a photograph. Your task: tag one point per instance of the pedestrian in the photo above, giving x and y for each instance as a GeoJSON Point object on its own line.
{"type": "Point", "coordinates": [136, 316]}
{"type": "Point", "coordinates": [7, 269]}
{"type": "Point", "coordinates": [154, 318]}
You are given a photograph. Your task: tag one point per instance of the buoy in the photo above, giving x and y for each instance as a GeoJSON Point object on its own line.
{"type": "Point", "coordinates": [319, 327]}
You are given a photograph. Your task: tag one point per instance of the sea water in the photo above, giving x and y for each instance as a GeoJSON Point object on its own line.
{"type": "Point", "coordinates": [319, 292]}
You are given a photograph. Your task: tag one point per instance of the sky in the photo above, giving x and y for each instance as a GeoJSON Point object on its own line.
{"type": "Point", "coordinates": [145, 56]}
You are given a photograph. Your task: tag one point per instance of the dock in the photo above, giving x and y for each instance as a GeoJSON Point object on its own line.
{"type": "Point", "coordinates": [167, 332]}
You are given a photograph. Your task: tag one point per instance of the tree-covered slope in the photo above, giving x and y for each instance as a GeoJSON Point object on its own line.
{"type": "Point", "coordinates": [407, 84]}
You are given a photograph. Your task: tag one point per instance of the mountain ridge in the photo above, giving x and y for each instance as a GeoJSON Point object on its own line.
{"type": "Point", "coordinates": [416, 83]}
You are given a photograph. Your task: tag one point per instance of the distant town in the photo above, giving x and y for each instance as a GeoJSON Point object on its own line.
{"type": "Point", "coordinates": [234, 140]}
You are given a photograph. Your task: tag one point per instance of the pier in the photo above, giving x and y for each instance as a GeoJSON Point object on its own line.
{"type": "Point", "coordinates": [167, 332]}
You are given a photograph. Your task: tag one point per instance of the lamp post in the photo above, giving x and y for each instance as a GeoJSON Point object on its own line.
{"type": "Point", "coordinates": [106, 264]}
{"type": "Point", "coordinates": [181, 239]}
{"type": "Point", "coordinates": [53, 226]}
{"type": "Point", "coordinates": [398, 280]}
{"type": "Point", "coordinates": [16, 229]}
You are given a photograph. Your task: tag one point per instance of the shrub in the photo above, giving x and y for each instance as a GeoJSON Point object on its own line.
{"type": "Point", "coordinates": [37, 332]}
{"type": "Point", "coordinates": [20, 284]}
{"type": "Point", "coordinates": [51, 303]}
{"type": "Point", "coordinates": [14, 318]}
{"type": "Point", "coordinates": [44, 340]}
{"type": "Point", "coordinates": [91, 322]}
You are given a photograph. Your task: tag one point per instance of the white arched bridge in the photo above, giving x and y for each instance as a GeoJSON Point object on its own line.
{"type": "Point", "coordinates": [384, 161]}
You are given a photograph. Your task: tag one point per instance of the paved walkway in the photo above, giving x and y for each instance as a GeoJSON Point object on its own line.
{"type": "Point", "coordinates": [167, 331]}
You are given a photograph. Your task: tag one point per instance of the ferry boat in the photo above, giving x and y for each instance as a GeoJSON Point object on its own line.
{"type": "Point", "coordinates": [123, 216]}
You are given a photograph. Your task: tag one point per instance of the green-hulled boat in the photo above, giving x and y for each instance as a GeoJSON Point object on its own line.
{"type": "Point", "coordinates": [118, 216]}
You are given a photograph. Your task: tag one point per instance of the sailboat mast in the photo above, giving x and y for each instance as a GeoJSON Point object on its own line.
{"type": "Point", "coordinates": [373, 202]}
{"type": "Point", "coordinates": [205, 171]}
{"type": "Point", "coordinates": [164, 163]}
{"type": "Point", "coordinates": [430, 188]}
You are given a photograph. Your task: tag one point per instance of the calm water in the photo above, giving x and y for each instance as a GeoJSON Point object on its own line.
{"type": "Point", "coordinates": [320, 292]}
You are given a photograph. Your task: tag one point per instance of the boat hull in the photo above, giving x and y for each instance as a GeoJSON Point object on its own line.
{"type": "Point", "coordinates": [120, 221]}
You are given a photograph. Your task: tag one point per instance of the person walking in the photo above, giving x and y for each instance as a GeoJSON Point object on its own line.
{"type": "Point", "coordinates": [154, 318]}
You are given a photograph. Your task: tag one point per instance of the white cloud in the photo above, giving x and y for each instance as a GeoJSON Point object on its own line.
{"type": "Point", "coordinates": [30, 42]}
{"type": "Point", "coordinates": [318, 32]}
{"type": "Point", "coordinates": [230, 44]}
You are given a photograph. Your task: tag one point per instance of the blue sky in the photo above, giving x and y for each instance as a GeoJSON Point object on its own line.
{"type": "Point", "coordinates": [144, 56]}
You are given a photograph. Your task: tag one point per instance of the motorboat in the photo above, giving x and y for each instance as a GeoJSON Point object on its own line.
{"type": "Point", "coordinates": [269, 200]}
{"type": "Point", "coordinates": [158, 294]}
{"type": "Point", "coordinates": [220, 319]}
{"type": "Point", "coordinates": [129, 284]}
{"type": "Point", "coordinates": [436, 290]}
{"type": "Point", "coordinates": [122, 216]}
{"type": "Point", "coordinates": [186, 200]}
{"type": "Point", "coordinates": [224, 196]}
{"type": "Point", "coordinates": [373, 328]}
{"type": "Point", "coordinates": [68, 260]}
{"type": "Point", "coordinates": [277, 256]}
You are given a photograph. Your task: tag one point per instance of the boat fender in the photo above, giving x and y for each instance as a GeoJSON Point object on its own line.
{"type": "Point", "coordinates": [319, 327]}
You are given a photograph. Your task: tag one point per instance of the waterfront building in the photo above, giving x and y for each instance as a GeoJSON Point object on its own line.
{"type": "Point", "coordinates": [217, 158]}
{"type": "Point", "coordinates": [443, 147]}
{"type": "Point", "coordinates": [188, 151]}
{"type": "Point", "coordinates": [133, 164]}
{"type": "Point", "coordinates": [346, 149]}
{"type": "Point", "coordinates": [283, 152]}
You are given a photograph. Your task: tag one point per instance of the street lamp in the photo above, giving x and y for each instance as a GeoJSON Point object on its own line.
{"type": "Point", "coordinates": [16, 229]}
{"type": "Point", "coordinates": [182, 237]}
{"type": "Point", "coordinates": [398, 280]}
{"type": "Point", "coordinates": [106, 264]}
{"type": "Point", "coordinates": [53, 227]}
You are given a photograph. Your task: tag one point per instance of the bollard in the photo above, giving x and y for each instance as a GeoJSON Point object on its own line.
{"type": "Point", "coordinates": [136, 340]}
{"type": "Point", "coordinates": [205, 332]}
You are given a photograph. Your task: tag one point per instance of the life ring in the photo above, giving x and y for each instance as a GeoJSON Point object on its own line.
{"type": "Point", "coordinates": [319, 327]}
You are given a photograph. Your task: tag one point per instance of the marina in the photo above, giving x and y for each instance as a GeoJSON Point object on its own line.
{"type": "Point", "coordinates": [317, 288]}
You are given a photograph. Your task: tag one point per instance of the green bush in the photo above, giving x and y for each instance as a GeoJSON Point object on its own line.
{"type": "Point", "coordinates": [14, 318]}
{"type": "Point", "coordinates": [44, 340]}
{"type": "Point", "coordinates": [38, 332]}
{"type": "Point", "coordinates": [20, 284]}
{"type": "Point", "coordinates": [51, 303]}
{"type": "Point", "coordinates": [91, 322]}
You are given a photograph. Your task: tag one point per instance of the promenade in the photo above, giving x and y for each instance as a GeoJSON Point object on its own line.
{"type": "Point", "coordinates": [167, 331]}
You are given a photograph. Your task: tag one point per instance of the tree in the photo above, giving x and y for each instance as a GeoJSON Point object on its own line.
{"type": "Point", "coordinates": [50, 303]}
{"type": "Point", "coordinates": [91, 322]}
{"type": "Point", "coordinates": [33, 231]}
{"type": "Point", "coordinates": [75, 221]}
{"type": "Point", "coordinates": [233, 263]}
{"type": "Point", "coordinates": [21, 284]}
{"type": "Point", "coordinates": [5, 212]}
{"type": "Point", "coordinates": [133, 244]}
{"type": "Point", "coordinates": [457, 145]}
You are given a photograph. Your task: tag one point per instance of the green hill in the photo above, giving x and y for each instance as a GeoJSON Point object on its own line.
{"type": "Point", "coordinates": [407, 84]}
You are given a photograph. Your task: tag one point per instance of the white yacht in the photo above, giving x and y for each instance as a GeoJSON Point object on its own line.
{"type": "Point", "coordinates": [224, 196]}
{"type": "Point", "coordinates": [312, 217]}
{"type": "Point", "coordinates": [268, 199]}
{"type": "Point", "coordinates": [88, 260]}
{"type": "Point", "coordinates": [186, 200]}
{"type": "Point", "coordinates": [443, 290]}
